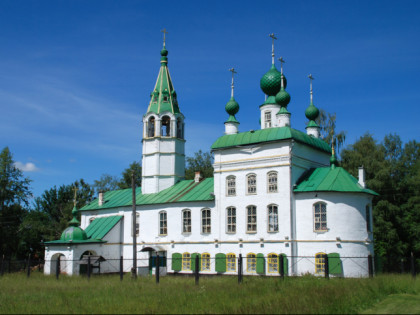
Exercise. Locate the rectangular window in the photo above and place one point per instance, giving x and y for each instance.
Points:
(267, 118)
(368, 225)
(206, 221)
(186, 261)
(251, 263)
(163, 224)
(230, 262)
(231, 186)
(186, 221)
(251, 219)
(231, 219)
(320, 263)
(320, 217)
(273, 218)
(273, 263)
(272, 182)
(252, 184)
(205, 262)
(137, 225)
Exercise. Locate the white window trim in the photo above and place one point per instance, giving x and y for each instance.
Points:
(256, 220)
(268, 122)
(247, 184)
(268, 182)
(268, 218)
(166, 219)
(209, 225)
(314, 219)
(182, 221)
(227, 221)
(227, 185)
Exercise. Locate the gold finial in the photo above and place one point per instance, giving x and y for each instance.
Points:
(75, 195)
(233, 73)
(273, 37)
(311, 78)
(164, 36)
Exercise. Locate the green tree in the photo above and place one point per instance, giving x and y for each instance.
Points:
(106, 183)
(14, 195)
(327, 124)
(125, 181)
(202, 162)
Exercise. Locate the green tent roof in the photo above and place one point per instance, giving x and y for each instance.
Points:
(184, 191)
(330, 179)
(267, 135)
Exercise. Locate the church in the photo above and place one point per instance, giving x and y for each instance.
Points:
(276, 193)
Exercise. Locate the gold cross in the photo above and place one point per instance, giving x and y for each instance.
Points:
(164, 36)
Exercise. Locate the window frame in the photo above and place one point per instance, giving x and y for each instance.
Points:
(250, 223)
(233, 218)
(269, 184)
(205, 262)
(252, 186)
(137, 225)
(228, 187)
(318, 217)
(186, 262)
(206, 221)
(230, 262)
(273, 263)
(251, 263)
(163, 227)
(184, 212)
(320, 263)
(275, 218)
(268, 119)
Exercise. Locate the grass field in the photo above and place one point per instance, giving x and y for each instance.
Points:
(106, 294)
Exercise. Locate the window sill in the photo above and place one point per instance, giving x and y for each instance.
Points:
(272, 232)
(321, 231)
(251, 232)
(231, 233)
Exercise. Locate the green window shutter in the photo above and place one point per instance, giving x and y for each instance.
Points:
(220, 262)
(334, 264)
(260, 264)
(176, 262)
(285, 264)
(193, 261)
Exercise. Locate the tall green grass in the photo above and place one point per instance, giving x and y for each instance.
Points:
(106, 294)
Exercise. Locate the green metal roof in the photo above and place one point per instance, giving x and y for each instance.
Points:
(330, 179)
(100, 227)
(267, 135)
(184, 191)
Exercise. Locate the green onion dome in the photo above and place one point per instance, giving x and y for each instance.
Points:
(270, 83)
(73, 233)
(164, 52)
(232, 107)
(312, 112)
(283, 98)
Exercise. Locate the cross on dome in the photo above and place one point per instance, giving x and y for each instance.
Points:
(273, 37)
(311, 78)
(233, 73)
(164, 36)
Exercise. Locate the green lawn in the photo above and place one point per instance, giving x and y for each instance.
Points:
(397, 304)
(106, 294)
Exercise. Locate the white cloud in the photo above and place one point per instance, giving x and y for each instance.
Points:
(28, 167)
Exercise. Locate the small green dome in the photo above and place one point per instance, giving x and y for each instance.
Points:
(312, 112)
(270, 83)
(164, 52)
(73, 233)
(232, 107)
(283, 98)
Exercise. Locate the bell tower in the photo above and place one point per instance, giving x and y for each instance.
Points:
(163, 160)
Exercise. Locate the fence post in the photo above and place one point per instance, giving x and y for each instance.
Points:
(240, 268)
(370, 266)
(281, 266)
(121, 268)
(413, 267)
(197, 272)
(29, 265)
(157, 270)
(88, 268)
(57, 267)
(2, 265)
(327, 267)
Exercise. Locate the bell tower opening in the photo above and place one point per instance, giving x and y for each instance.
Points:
(166, 126)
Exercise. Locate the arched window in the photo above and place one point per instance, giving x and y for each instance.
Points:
(137, 225)
(273, 218)
(179, 133)
(320, 263)
(186, 261)
(272, 182)
(186, 221)
(320, 217)
(163, 223)
(231, 219)
(251, 184)
(273, 263)
(251, 219)
(368, 224)
(205, 262)
(151, 127)
(166, 126)
(231, 185)
(267, 119)
(205, 221)
(251, 262)
(230, 262)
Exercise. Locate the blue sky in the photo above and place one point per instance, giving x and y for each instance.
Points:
(75, 76)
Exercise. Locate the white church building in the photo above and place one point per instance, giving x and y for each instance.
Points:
(276, 191)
